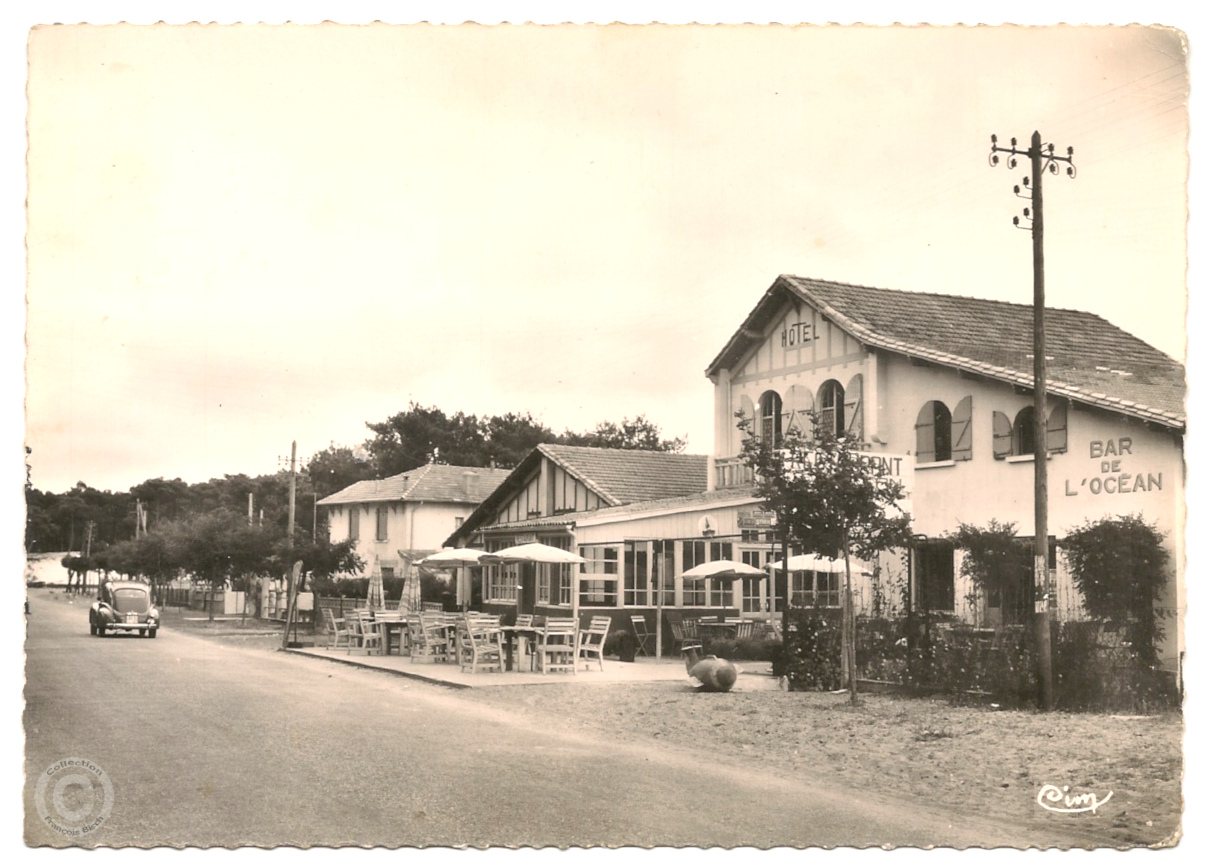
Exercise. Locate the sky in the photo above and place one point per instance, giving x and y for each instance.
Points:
(240, 237)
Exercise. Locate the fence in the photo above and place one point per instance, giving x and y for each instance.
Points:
(1094, 668)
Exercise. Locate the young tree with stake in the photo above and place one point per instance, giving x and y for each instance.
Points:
(833, 500)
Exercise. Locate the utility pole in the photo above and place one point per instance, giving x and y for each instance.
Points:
(1038, 155)
(291, 499)
(293, 581)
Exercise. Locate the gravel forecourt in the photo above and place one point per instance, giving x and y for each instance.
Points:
(983, 761)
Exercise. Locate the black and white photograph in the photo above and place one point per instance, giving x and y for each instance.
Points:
(599, 433)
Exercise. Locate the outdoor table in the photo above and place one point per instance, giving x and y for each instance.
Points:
(517, 634)
(389, 623)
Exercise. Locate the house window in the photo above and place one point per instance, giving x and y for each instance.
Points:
(543, 584)
(693, 553)
(771, 419)
(501, 582)
(634, 575)
(720, 592)
(815, 588)
(459, 520)
(1057, 435)
(382, 523)
(564, 583)
(663, 565)
(386, 573)
(755, 590)
(1024, 431)
(353, 524)
(831, 400)
(934, 576)
(933, 433)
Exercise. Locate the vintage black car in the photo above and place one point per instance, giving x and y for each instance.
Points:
(124, 606)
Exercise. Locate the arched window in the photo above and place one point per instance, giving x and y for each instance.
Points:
(1024, 431)
(831, 400)
(933, 433)
(771, 419)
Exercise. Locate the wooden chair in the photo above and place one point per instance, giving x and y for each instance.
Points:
(369, 633)
(481, 644)
(556, 645)
(684, 637)
(428, 639)
(642, 633)
(591, 641)
(339, 631)
(745, 629)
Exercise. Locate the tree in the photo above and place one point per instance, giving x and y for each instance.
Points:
(993, 557)
(637, 433)
(337, 467)
(422, 435)
(1119, 566)
(509, 438)
(833, 501)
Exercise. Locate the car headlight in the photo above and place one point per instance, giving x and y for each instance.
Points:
(153, 614)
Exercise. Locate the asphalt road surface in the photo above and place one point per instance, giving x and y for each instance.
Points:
(206, 744)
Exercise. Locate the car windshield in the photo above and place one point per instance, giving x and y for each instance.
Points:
(131, 599)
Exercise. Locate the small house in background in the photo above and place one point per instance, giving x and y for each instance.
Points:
(400, 519)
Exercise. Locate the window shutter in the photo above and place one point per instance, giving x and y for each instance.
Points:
(925, 433)
(961, 430)
(1003, 439)
(853, 406)
(1058, 431)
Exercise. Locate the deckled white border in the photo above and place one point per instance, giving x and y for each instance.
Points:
(1190, 17)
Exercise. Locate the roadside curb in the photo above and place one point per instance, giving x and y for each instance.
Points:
(366, 666)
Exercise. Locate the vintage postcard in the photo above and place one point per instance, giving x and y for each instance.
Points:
(606, 435)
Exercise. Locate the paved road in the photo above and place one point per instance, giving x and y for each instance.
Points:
(211, 745)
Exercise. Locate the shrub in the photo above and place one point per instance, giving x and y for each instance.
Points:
(812, 648)
(1119, 566)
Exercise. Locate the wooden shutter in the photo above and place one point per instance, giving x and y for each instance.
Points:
(925, 433)
(1058, 431)
(853, 406)
(1003, 437)
(961, 431)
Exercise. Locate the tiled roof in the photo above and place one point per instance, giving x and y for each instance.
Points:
(702, 499)
(617, 476)
(429, 483)
(622, 476)
(1089, 359)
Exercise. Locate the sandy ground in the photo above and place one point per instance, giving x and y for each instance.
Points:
(979, 761)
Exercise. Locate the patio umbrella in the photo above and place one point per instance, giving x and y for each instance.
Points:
(812, 563)
(731, 569)
(535, 552)
(376, 591)
(456, 559)
(453, 558)
(723, 569)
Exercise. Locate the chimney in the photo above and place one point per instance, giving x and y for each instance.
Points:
(469, 482)
(711, 475)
